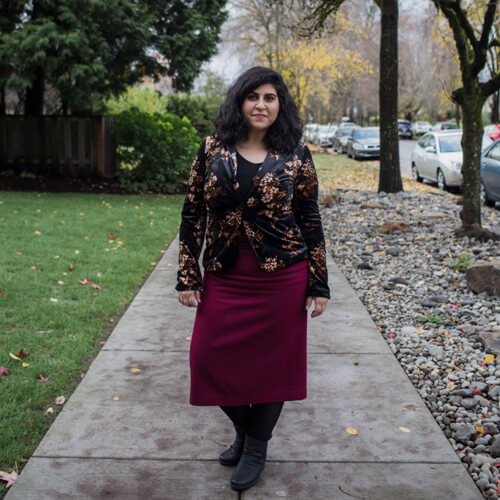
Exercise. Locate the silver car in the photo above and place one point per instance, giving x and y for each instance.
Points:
(364, 143)
(438, 157)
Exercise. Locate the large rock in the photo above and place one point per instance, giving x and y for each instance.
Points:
(484, 277)
(491, 341)
(330, 200)
(390, 227)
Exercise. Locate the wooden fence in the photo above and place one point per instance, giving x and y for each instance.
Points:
(72, 146)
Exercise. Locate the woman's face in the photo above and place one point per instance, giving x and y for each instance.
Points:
(261, 107)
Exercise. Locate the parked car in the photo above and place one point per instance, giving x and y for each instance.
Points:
(492, 131)
(490, 174)
(404, 129)
(439, 127)
(364, 143)
(420, 128)
(325, 134)
(310, 131)
(438, 158)
(341, 136)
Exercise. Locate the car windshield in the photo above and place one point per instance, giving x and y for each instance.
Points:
(450, 143)
(346, 131)
(367, 134)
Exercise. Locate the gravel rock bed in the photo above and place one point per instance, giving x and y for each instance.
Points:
(414, 288)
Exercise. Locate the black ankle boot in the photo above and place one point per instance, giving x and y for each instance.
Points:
(251, 464)
(232, 455)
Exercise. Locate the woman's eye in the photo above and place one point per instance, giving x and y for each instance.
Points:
(252, 97)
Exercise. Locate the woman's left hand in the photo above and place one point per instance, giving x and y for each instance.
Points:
(320, 304)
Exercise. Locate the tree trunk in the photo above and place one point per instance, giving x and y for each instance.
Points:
(457, 117)
(494, 107)
(34, 94)
(472, 105)
(2, 100)
(390, 173)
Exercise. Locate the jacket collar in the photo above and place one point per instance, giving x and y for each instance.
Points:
(267, 166)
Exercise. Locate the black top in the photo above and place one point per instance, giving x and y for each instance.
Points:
(245, 173)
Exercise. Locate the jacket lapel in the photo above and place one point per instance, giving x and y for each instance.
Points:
(268, 165)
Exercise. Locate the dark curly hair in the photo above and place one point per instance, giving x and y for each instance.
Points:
(230, 126)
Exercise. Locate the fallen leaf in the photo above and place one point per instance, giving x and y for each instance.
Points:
(19, 253)
(60, 400)
(86, 281)
(3, 370)
(37, 232)
(391, 335)
(116, 398)
(43, 379)
(490, 358)
(13, 356)
(479, 429)
(475, 392)
(71, 267)
(97, 287)
(351, 431)
(404, 429)
(49, 410)
(25, 365)
(8, 477)
(44, 331)
(53, 300)
(60, 282)
(33, 268)
(2, 294)
(21, 354)
(111, 236)
(135, 370)
(356, 363)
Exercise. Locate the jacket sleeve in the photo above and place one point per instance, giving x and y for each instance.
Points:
(307, 215)
(193, 222)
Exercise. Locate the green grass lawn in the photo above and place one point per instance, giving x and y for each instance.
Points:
(48, 244)
(337, 171)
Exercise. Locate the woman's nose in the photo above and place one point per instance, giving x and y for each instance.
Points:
(260, 103)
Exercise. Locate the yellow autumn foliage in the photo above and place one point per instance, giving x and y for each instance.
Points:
(318, 68)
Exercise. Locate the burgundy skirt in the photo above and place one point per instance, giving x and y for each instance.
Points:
(249, 338)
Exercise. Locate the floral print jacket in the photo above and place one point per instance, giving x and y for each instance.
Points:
(280, 216)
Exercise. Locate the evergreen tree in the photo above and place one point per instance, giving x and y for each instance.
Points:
(90, 49)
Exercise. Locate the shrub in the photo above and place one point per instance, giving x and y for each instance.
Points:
(463, 262)
(154, 150)
(201, 110)
(143, 99)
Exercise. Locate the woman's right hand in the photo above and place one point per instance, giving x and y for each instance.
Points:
(189, 298)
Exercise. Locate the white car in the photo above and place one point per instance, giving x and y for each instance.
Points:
(438, 157)
(421, 127)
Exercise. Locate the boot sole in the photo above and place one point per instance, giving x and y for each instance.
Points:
(229, 463)
(244, 487)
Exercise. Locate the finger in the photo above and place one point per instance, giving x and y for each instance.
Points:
(319, 308)
(308, 303)
(197, 295)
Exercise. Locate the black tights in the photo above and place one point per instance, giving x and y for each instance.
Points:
(258, 419)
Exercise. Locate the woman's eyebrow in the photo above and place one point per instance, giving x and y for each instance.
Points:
(266, 94)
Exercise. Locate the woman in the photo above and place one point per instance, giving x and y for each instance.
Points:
(253, 190)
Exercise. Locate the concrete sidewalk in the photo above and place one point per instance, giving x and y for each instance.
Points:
(151, 444)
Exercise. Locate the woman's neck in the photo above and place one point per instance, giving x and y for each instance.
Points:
(253, 148)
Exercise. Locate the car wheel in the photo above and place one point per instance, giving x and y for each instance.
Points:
(414, 173)
(484, 197)
(440, 180)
